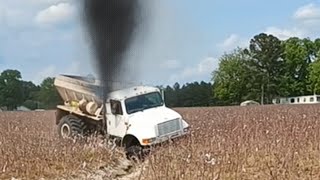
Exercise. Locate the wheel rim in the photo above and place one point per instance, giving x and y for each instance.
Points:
(65, 131)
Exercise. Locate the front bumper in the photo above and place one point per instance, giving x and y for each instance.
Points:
(168, 137)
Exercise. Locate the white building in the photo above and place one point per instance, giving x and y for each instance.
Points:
(311, 99)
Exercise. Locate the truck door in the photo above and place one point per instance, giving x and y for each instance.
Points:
(115, 119)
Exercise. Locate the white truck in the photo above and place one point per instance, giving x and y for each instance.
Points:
(136, 116)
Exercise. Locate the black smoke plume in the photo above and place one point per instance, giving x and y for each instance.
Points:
(110, 25)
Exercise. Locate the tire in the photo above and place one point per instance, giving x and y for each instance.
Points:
(135, 153)
(71, 126)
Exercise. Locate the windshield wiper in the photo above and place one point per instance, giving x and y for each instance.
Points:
(137, 110)
(146, 107)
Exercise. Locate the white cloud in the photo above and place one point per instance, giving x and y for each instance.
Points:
(232, 42)
(55, 14)
(17, 13)
(207, 65)
(308, 18)
(285, 33)
(308, 12)
(306, 24)
(201, 71)
(36, 52)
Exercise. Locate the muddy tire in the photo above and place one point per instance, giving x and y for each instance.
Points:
(71, 126)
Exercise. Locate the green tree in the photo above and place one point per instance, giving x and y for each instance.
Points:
(298, 55)
(48, 95)
(266, 63)
(317, 47)
(231, 79)
(169, 96)
(197, 94)
(207, 94)
(189, 95)
(30, 91)
(11, 90)
(177, 91)
(314, 77)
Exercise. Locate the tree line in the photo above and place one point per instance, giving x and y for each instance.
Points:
(15, 92)
(267, 69)
(193, 94)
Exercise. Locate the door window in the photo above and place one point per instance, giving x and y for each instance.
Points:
(116, 107)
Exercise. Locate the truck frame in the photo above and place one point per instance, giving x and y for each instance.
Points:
(134, 115)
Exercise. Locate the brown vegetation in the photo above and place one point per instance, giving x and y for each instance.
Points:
(263, 142)
(30, 149)
(266, 142)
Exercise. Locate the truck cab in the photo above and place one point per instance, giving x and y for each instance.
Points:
(140, 113)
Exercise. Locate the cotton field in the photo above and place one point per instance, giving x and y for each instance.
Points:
(258, 142)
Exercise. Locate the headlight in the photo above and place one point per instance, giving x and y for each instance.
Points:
(186, 129)
(148, 141)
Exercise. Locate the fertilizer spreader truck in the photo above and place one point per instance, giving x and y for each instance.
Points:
(136, 115)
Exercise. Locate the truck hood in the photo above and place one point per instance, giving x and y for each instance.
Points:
(143, 123)
(153, 116)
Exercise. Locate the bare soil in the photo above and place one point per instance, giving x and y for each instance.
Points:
(262, 142)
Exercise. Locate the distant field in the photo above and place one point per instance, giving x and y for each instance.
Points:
(263, 142)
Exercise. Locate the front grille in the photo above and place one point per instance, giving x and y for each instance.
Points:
(169, 127)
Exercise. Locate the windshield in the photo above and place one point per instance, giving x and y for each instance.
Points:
(142, 102)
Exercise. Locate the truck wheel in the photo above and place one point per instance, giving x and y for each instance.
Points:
(135, 153)
(71, 126)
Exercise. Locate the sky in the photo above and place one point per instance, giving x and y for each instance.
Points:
(180, 40)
